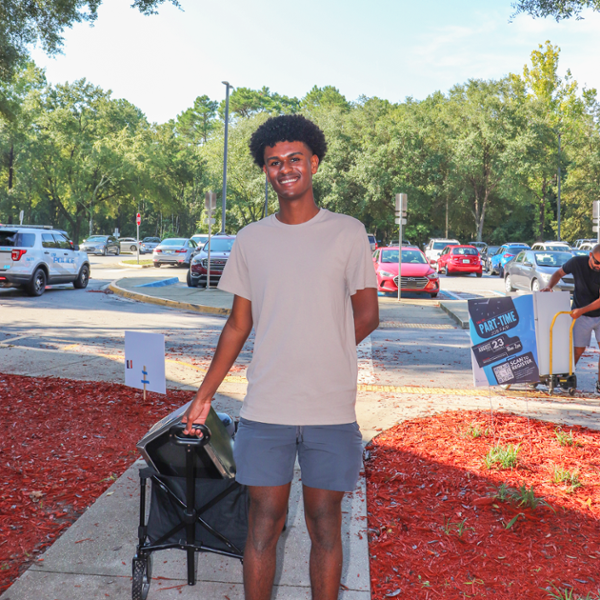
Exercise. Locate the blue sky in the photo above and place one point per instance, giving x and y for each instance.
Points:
(386, 48)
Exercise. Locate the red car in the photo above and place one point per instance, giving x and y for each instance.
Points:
(417, 275)
(460, 259)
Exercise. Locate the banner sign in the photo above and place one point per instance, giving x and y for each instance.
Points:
(504, 347)
(145, 361)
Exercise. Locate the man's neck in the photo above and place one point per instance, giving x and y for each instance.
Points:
(296, 212)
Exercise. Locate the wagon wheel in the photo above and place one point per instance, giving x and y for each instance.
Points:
(142, 576)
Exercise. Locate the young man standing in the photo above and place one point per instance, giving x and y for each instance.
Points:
(304, 279)
(586, 300)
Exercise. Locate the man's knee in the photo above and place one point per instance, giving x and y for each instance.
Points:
(323, 511)
(266, 514)
(578, 351)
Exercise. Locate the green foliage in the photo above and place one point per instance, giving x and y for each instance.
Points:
(505, 456)
(525, 497)
(571, 480)
(23, 24)
(569, 594)
(559, 9)
(458, 528)
(564, 439)
(478, 162)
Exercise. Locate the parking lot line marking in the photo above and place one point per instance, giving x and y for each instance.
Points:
(453, 296)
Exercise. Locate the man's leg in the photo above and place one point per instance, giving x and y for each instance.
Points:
(323, 510)
(579, 352)
(266, 518)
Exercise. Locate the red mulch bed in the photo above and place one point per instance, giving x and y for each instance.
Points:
(426, 477)
(62, 443)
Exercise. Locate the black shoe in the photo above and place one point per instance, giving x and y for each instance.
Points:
(597, 387)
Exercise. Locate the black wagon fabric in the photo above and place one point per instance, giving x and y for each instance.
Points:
(228, 516)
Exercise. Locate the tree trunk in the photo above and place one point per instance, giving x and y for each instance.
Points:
(11, 168)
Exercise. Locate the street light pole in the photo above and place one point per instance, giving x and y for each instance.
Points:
(224, 197)
(558, 199)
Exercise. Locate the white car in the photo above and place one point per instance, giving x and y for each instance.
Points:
(552, 246)
(435, 246)
(32, 257)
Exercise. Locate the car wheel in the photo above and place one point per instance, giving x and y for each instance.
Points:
(190, 280)
(157, 265)
(118, 251)
(83, 278)
(508, 286)
(104, 251)
(37, 285)
(535, 286)
(480, 274)
(500, 271)
(448, 272)
(132, 248)
(433, 295)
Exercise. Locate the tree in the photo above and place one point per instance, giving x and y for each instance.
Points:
(559, 9)
(23, 23)
(197, 123)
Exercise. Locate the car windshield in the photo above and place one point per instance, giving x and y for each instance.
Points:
(580, 252)
(151, 240)
(552, 259)
(220, 245)
(442, 245)
(174, 242)
(408, 256)
(97, 238)
(468, 251)
(558, 247)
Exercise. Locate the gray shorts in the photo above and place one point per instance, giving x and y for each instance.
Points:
(582, 331)
(330, 456)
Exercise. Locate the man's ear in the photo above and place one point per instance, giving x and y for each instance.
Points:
(266, 172)
(314, 164)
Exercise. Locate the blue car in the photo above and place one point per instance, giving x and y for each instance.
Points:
(503, 255)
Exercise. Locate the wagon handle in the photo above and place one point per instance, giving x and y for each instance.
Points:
(563, 312)
(177, 430)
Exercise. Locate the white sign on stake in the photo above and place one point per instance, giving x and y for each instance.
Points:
(145, 361)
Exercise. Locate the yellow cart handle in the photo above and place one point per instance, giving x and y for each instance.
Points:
(563, 312)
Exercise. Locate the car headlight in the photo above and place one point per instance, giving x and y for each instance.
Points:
(385, 274)
(432, 275)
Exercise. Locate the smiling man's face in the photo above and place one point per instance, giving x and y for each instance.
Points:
(290, 167)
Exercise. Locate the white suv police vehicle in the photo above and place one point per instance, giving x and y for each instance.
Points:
(33, 256)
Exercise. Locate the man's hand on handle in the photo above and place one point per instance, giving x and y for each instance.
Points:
(196, 414)
(577, 312)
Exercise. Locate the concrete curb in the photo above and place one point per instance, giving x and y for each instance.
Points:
(454, 316)
(122, 264)
(113, 287)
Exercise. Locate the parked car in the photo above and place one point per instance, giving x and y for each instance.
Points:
(587, 246)
(481, 247)
(148, 244)
(372, 242)
(580, 252)
(128, 244)
(502, 256)
(552, 246)
(417, 274)
(101, 244)
(174, 251)
(459, 259)
(200, 239)
(577, 243)
(220, 249)
(487, 254)
(531, 270)
(33, 256)
(435, 246)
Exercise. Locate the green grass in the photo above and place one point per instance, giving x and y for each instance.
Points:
(571, 480)
(458, 528)
(504, 456)
(563, 438)
(134, 261)
(526, 498)
(568, 594)
(476, 431)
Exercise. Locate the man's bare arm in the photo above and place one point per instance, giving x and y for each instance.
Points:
(366, 313)
(231, 341)
(556, 277)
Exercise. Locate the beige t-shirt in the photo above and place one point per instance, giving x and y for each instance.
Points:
(299, 279)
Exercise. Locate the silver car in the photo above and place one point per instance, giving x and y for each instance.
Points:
(531, 270)
(174, 251)
(128, 244)
(148, 244)
(101, 244)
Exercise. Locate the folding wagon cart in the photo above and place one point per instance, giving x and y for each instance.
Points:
(195, 503)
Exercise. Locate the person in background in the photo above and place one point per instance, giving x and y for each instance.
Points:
(586, 300)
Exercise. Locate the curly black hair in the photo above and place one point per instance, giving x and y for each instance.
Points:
(287, 128)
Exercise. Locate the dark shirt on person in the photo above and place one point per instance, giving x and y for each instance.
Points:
(587, 283)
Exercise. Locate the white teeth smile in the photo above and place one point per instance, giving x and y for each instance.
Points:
(289, 180)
